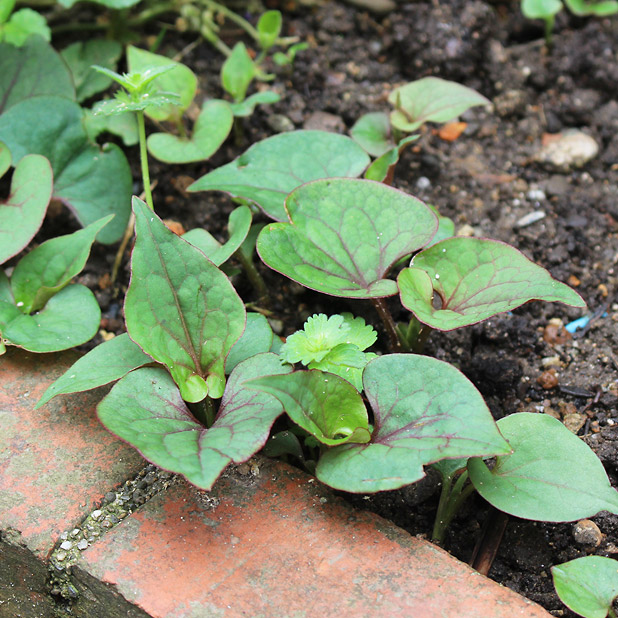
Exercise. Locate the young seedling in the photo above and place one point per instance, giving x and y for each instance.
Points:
(588, 585)
(137, 95)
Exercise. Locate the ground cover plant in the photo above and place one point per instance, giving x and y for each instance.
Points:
(424, 309)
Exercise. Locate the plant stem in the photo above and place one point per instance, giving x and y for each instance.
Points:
(253, 274)
(203, 411)
(237, 19)
(549, 30)
(449, 506)
(143, 154)
(389, 323)
(488, 544)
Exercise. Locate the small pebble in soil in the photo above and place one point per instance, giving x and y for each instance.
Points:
(66, 545)
(423, 183)
(548, 379)
(586, 532)
(574, 422)
(83, 544)
(567, 151)
(530, 218)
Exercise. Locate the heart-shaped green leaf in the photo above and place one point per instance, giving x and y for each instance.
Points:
(146, 410)
(92, 182)
(475, 279)
(108, 362)
(245, 108)
(269, 28)
(22, 25)
(540, 9)
(552, 475)
(47, 269)
(323, 404)
(345, 235)
(32, 70)
(372, 132)
(180, 81)
(22, 213)
(424, 410)
(587, 585)
(257, 338)
(180, 308)
(270, 169)
(210, 131)
(239, 224)
(431, 99)
(69, 318)
(81, 56)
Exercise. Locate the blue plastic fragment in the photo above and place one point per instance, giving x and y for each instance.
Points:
(571, 327)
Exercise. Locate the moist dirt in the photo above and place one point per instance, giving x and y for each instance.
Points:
(493, 182)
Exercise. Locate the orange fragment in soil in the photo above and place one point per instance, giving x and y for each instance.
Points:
(174, 226)
(573, 281)
(556, 335)
(548, 379)
(451, 131)
(548, 138)
(104, 281)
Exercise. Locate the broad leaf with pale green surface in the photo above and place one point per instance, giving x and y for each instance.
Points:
(32, 70)
(345, 235)
(431, 99)
(270, 169)
(22, 213)
(475, 279)
(69, 318)
(587, 585)
(238, 223)
(91, 181)
(47, 269)
(424, 410)
(323, 404)
(146, 409)
(180, 80)
(210, 131)
(109, 361)
(180, 308)
(82, 55)
(552, 475)
(122, 125)
(22, 25)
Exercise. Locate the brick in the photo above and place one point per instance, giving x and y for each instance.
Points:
(57, 462)
(280, 545)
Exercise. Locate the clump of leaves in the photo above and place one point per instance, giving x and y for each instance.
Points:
(16, 27)
(334, 344)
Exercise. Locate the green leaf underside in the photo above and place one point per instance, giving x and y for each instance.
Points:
(239, 225)
(475, 279)
(91, 181)
(47, 269)
(81, 56)
(210, 131)
(22, 214)
(267, 171)
(180, 308)
(180, 81)
(69, 318)
(323, 404)
(431, 99)
(256, 339)
(552, 475)
(424, 410)
(32, 70)
(344, 236)
(587, 585)
(373, 133)
(146, 409)
(109, 361)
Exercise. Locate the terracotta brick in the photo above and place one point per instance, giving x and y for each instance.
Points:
(56, 462)
(279, 545)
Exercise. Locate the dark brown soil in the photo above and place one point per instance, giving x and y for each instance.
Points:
(486, 180)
